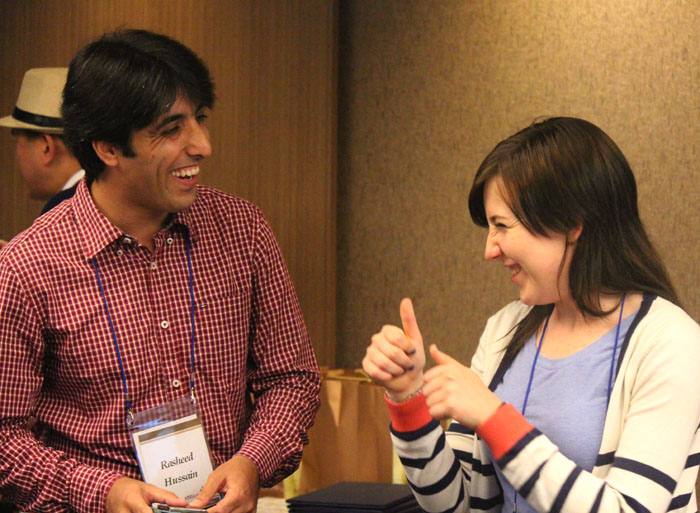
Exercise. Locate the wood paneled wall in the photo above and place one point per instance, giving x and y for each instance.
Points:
(273, 128)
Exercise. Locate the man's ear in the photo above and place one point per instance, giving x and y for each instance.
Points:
(108, 152)
(47, 146)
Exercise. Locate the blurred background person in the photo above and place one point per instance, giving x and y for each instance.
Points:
(49, 170)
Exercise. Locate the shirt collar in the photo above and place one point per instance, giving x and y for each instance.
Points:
(75, 178)
(185, 218)
(98, 232)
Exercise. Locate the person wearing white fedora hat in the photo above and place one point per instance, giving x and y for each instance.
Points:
(47, 166)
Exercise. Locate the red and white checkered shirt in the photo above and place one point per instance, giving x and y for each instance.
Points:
(58, 361)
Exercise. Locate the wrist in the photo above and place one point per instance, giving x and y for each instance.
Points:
(503, 430)
(405, 395)
(489, 409)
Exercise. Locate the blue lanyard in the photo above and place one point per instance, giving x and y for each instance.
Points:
(130, 415)
(534, 363)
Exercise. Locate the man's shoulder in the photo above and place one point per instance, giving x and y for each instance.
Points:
(46, 236)
(222, 205)
(211, 197)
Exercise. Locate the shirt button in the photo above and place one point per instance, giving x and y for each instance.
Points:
(176, 383)
(164, 324)
(153, 266)
(120, 252)
(127, 240)
(169, 240)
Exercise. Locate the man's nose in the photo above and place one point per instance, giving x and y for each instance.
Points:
(199, 145)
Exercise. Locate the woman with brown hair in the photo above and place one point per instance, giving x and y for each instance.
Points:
(583, 395)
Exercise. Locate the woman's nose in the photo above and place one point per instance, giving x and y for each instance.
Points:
(492, 250)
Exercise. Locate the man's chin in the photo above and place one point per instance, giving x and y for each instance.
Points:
(184, 201)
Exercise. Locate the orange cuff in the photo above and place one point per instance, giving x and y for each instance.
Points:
(409, 415)
(502, 430)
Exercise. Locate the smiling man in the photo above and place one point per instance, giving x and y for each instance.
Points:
(147, 297)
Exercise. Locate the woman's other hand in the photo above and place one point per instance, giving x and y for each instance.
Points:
(454, 391)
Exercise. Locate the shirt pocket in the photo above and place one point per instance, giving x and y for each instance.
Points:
(221, 345)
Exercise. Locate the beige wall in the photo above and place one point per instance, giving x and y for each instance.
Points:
(428, 88)
(273, 128)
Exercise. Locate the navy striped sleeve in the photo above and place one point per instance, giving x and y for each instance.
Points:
(565, 489)
(644, 470)
(680, 502)
(440, 485)
(421, 463)
(515, 450)
(410, 436)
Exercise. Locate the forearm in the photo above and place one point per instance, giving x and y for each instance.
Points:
(437, 475)
(39, 478)
(550, 481)
(279, 424)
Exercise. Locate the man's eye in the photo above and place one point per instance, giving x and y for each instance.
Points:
(172, 130)
(201, 118)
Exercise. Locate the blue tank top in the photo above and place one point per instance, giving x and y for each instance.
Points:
(568, 400)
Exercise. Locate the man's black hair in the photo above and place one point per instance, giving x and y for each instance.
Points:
(123, 82)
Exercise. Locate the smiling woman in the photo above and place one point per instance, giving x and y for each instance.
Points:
(565, 176)
(538, 264)
(567, 383)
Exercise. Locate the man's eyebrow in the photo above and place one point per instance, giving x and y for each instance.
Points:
(175, 117)
(167, 120)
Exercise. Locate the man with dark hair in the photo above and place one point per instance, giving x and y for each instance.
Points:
(143, 294)
(48, 168)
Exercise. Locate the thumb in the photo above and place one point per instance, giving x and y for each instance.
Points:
(439, 357)
(205, 495)
(408, 320)
(165, 497)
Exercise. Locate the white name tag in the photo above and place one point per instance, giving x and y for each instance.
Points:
(173, 454)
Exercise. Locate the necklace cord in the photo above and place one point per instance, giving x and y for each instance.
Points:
(534, 363)
(192, 309)
(114, 335)
(93, 260)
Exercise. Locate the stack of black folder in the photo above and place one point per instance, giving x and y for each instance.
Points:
(349, 497)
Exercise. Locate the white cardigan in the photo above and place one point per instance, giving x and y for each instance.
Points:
(650, 450)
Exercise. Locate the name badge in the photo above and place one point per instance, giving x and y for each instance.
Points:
(172, 448)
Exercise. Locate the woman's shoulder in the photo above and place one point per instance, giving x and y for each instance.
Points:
(662, 317)
(664, 332)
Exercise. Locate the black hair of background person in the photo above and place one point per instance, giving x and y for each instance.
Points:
(98, 100)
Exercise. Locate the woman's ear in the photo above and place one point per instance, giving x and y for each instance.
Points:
(108, 152)
(573, 235)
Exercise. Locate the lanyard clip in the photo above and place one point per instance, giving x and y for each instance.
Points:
(129, 418)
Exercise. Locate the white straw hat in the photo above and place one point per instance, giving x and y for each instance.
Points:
(38, 106)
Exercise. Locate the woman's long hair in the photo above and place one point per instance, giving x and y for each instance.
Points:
(562, 173)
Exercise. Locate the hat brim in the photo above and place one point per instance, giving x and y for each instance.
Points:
(10, 122)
